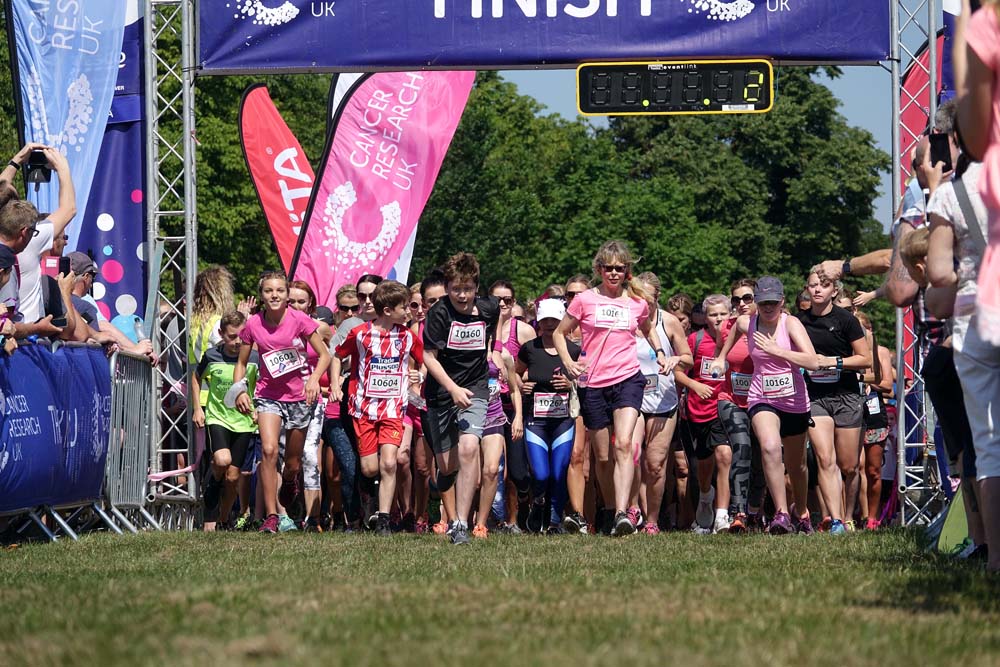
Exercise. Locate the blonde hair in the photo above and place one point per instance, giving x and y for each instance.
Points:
(913, 247)
(716, 300)
(838, 286)
(213, 294)
(617, 250)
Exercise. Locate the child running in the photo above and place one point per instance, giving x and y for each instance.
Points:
(230, 430)
(380, 351)
(457, 334)
(283, 396)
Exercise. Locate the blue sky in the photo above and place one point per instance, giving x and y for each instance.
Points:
(864, 92)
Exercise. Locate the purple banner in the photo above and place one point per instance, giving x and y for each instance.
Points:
(239, 36)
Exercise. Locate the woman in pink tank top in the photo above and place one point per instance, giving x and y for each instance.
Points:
(778, 399)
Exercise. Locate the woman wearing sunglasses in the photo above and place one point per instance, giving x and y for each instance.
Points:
(777, 397)
(512, 333)
(609, 317)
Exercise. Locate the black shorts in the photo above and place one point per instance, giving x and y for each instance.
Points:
(238, 444)
(665, 415)
(792, 423)
(706, 436)
(598, 404)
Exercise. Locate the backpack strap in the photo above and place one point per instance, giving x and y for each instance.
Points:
(972, 221)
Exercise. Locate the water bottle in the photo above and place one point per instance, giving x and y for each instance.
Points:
(140, 332)
(582, 380)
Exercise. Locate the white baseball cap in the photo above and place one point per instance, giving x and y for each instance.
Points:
(550, 308)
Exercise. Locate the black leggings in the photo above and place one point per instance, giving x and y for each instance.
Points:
(238, 444)
(516, 459)
(747, 472)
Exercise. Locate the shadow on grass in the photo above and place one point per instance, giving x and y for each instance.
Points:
(920, 579)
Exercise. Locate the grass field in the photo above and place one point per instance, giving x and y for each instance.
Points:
(220, 599)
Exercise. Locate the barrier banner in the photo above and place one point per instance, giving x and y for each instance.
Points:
(240, 36)
(55, 415)
(381, 162)
(279, 169)
(113, 230)
(65, 60)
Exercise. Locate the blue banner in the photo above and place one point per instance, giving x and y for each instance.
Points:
(113, 230)
(310, 35)
(55, 416)
(68, 54)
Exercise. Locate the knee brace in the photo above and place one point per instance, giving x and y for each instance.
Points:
(445, 482)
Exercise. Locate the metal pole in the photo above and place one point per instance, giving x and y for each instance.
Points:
(190, 219)
(932, 63)
(895, 189)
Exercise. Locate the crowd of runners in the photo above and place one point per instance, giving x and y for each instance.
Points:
(601, 406)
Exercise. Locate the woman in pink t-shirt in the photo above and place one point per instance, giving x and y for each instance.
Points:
(283, 395)
(977, 76)
(611, 382)
(777, 397)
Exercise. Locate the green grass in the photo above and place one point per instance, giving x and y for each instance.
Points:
(196, 599)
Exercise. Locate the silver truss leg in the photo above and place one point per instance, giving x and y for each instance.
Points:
(37, 520)
(123, 519)
(62, 524)
(99, 512)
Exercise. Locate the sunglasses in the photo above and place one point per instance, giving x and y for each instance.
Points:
(364, 296)
(746, 298)
(616, 268)
(506, 300)
(349, 309)
(415, 305)
(571, 295)
(34, 231)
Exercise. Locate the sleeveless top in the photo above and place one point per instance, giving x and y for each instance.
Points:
(513, 346)
(660, 394)
(495, 415)
(776, 381)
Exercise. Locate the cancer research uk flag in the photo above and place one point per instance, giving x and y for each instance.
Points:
(68, 52)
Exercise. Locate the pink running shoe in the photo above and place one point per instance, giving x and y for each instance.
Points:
(651, 528)
(872, 524)
(422, 527)
(635, 516)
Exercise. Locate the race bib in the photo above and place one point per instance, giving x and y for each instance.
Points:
(283, 362)
(778, 385)
(384, 385)
(494, 385)
(551, 405)
(652, 383)
(706, 369)
(825, 376)
(873, 405)
(612, 316)
(741, 384)
(467, 337)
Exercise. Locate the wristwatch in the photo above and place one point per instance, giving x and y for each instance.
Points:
(659, 350)
(846, 268)
(16, 165)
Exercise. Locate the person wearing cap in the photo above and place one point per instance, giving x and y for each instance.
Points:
(835, 397)
(549, 429)
(777, 398)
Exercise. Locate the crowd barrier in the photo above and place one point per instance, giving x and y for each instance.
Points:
(74, 441)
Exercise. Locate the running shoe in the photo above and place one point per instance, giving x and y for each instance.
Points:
(721, 524)
(805, 526)
(312, 525)
(575, 523)
(635, 516)
(739, 524)
(555, 529)
(452, 529)
(536, 518)
(756, 523)
(383, 525)
(698, 530)
(480, 532)
(622, 525)
(460, 534)
(837, 527)
(849, 525)
(510, 529)
(285, 524)
(409, 523)
(271, 524)
(650, 528)
(369, 512)
(422, 527)
(244, 523)
(872, 524)
(440, 528)
(705, 514)
(825, 524)
(781, 524)
(289, 492)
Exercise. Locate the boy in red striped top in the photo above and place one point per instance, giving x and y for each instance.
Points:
(381, 352)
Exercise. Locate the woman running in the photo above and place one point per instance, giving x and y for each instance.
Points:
(777, 397)
(654, 430)
(835, 397)
(283, 397)
(609, 316)
(302, 299)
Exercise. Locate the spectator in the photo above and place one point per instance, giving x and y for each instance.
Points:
(7, 260)
(89, 325)
(18, 226)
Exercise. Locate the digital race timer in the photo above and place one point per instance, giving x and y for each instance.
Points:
(678, 87)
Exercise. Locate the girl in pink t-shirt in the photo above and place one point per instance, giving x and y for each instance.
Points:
(609, 316)
(283, 395)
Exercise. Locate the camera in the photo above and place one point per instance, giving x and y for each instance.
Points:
(37, 170)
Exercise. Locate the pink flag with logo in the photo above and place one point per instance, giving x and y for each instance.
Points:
(384, 156)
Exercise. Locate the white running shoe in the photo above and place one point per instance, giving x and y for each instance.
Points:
(721, 524)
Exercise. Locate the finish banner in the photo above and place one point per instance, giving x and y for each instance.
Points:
(381, 162)
(240, 36)
(55, 418)
(66, 57)
(280, 170)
